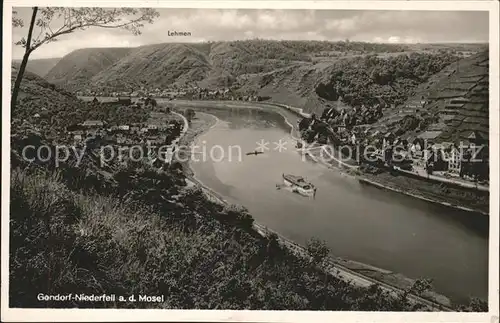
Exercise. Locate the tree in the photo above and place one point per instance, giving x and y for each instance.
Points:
(238, 214)
(53, 22)
(475, 305)
(318, 250)
(189, 114)
(420, 286)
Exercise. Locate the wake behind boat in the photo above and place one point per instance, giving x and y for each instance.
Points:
(298, 184)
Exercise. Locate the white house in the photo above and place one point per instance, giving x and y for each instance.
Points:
(353, 139)
(454, 160)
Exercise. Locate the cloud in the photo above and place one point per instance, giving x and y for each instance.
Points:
(232, 24)
(394, 40)
(343, 25)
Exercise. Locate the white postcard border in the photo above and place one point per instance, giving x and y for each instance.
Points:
(65, 315)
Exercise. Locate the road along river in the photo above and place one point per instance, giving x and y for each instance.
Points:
(385, 229)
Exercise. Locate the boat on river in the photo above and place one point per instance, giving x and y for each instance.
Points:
(298, 184)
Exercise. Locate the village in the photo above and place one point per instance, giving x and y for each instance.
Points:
(192, 92)
(464, 162)
(154, 136)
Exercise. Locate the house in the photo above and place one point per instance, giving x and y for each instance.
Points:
(126, 101)
(435, 160)
(388, 139)
(475, 138)
(124, 127)
(454, 160)
(93, 124)
(121, 140)
(152, 129)
(429, 135)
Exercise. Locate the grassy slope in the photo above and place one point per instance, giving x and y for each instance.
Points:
(157, 65)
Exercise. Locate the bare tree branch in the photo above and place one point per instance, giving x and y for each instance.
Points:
(75, 19)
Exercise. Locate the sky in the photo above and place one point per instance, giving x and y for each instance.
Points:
(232, 24)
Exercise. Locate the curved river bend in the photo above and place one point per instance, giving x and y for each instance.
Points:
(361, 223)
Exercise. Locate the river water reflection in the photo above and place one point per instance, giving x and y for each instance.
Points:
(362, 223)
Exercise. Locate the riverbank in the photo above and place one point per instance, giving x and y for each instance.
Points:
(360, 274)
(200, 124)
(475, 202)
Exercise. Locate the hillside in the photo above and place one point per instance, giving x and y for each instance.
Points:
(212, 64)
(83, 64)
(40, 66)
(48, 107)
(154, 65)
(457, 103)
(37, 97)
(307, 74)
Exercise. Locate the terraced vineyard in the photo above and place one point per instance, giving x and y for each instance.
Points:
(453, 104)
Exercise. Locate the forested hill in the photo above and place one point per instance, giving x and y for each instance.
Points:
(306, 74)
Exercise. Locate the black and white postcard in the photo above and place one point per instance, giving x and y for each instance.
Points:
(258, 161)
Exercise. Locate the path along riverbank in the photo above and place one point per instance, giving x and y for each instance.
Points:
(360, 274)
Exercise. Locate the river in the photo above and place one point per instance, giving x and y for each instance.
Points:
(362, 223)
